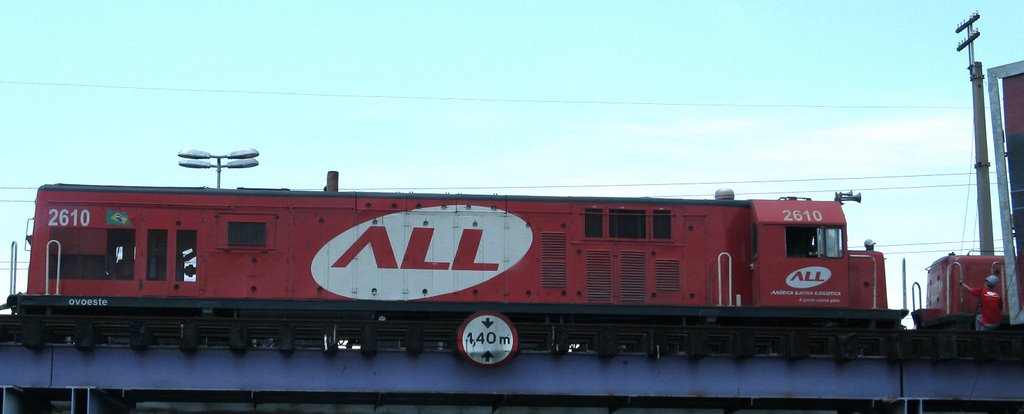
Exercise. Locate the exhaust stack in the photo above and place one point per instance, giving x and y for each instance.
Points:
(332, 182)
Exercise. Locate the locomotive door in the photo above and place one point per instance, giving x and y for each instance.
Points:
(170, 257)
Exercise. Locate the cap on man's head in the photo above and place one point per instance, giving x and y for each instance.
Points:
(992, 281)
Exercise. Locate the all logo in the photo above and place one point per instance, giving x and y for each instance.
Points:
(808, 277)
(421, 253)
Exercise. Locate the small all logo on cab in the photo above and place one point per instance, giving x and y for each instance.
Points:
(808, 277)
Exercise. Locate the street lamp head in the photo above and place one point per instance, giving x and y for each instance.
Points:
(194, 163)
(243, 154)
(244, 158)
(246, 163)
(194, 154)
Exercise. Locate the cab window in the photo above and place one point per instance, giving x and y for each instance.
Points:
(814, 242)
(101, 254)
(186, 263)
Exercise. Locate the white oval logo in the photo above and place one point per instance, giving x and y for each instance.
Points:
(808, 277)
(421, 253)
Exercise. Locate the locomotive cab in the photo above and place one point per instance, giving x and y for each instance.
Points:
(801, 258)
(120, 252)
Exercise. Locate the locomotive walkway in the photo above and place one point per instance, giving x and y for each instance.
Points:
(719, 369)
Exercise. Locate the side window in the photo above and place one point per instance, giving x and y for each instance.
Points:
(662, 224)
(753, 236)
(831, 241)
(627, 224)
(186, 253)
(593, 222)
(120, 258)
(156, 255)
(814, 242)
(98, 254)
(800, 242)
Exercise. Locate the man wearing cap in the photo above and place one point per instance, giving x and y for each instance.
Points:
(990, 302)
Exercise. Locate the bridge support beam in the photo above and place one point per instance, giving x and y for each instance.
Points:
(635, 380)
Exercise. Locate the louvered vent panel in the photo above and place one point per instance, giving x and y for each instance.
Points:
(666, 275)
(632, 272)
(552, 258)
(552, 246)
(243, 232)
(599, 276)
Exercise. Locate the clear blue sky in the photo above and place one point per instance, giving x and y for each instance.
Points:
(441, 96)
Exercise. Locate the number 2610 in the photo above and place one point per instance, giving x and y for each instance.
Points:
(802, 215)
(65, 217)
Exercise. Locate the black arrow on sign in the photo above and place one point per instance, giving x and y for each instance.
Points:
(488, 356)
(487, 322)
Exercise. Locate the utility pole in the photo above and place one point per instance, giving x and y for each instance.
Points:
(981, 164)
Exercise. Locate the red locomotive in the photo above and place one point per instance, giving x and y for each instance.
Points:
(106, 250)
(947, 305)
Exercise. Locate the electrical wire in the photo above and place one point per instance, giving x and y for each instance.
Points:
(928, 243)
(788, 180)
(967, 201)
(894, 253)
(472, 99)
(790, 192)
(762, 193)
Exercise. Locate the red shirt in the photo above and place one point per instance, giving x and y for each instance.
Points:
(991, 305)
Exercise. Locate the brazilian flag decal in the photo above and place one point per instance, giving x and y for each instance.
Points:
(118, 218)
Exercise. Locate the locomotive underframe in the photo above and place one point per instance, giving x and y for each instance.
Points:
(595, 314)
(603, 339)
(193, 324)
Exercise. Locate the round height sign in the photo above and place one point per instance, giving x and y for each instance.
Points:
(488, 339)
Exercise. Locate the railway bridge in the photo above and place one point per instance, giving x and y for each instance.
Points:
(121, 365)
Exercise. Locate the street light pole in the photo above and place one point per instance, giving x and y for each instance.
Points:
(245, 158)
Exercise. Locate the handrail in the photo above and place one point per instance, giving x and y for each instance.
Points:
(999, 264)
(874, 282)
(904, 284)
(949, 288)
(28, 225)
(727, 256)
(916, 304)
(14, 267)
(48, 267)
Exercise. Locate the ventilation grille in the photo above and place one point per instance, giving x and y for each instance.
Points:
(666, 275)
(599, 276)
(247, 233)
(632, 272)
(552, 257)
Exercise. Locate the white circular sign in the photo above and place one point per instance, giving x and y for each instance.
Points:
(488, 339)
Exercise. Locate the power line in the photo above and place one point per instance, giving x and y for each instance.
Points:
(542, 186)
(683, 183)
(890, 254)
(929, 243)
(833, 190)
(471, 99)
(793, 180)
(762, 193)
